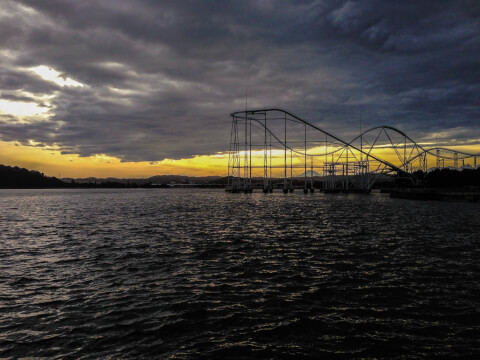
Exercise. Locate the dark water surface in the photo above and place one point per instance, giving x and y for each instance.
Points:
(204, 274)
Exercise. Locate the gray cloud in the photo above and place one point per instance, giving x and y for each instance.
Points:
(162, 77)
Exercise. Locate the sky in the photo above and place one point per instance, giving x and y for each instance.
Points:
(139, 88)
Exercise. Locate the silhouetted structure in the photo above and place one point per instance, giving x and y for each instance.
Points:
(271, 143)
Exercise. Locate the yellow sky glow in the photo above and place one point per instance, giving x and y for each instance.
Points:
(53, 163)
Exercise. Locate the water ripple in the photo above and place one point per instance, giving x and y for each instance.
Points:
(204, 274)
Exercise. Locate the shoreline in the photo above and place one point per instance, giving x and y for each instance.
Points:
(425, 195)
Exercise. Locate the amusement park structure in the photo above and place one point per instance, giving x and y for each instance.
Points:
(282, 149)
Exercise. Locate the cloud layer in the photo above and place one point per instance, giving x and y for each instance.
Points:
(158, 79)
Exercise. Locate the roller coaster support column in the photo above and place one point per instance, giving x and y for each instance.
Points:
(230, 153)
(250, 188)
(234, 169)
(311, 177)
(245, 160)
(291, 171)
(423, 162)
(346, 187)
(368, 175)
(265, 160)
(285, 188)
(305, 190)
(270, 187)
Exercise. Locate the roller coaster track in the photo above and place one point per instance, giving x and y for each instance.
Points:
(404, 151)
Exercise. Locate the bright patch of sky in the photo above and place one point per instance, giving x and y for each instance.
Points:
(50, 74)
(21, 108)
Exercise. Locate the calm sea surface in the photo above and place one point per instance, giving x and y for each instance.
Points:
(191, 273)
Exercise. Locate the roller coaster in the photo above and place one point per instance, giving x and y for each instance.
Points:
(283, 150)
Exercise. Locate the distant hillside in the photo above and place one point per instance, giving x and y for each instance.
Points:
(20, 178)
(309, 173)
(157, 179)
(15, 177)
(166, 179)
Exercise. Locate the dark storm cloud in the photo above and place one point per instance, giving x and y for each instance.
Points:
(161, 77)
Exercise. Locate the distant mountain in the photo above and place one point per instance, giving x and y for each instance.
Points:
(15, 177)
(157, 179)
(309, 173)
(20, 178)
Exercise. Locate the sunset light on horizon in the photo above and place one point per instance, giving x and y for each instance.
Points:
(239, 179)
(147, 88)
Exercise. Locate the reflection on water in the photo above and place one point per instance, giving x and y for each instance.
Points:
(201, 273)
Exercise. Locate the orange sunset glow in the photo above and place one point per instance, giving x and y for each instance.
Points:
(239, 179)
(54, 163)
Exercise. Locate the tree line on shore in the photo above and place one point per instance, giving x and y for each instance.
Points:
(13, 177)
(16, 177)
(449, 178)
